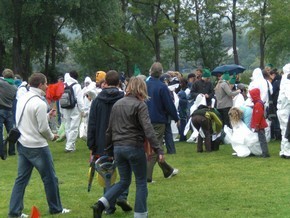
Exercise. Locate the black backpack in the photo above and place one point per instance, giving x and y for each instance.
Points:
(68, 99)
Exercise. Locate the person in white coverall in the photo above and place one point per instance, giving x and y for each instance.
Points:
(283, 110)
(259, 82)
(72, 117)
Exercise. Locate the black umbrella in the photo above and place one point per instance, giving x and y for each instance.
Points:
(231, 68)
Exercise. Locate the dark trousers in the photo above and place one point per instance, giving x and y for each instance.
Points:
(224, 112)
(152, 159)
(200, 121)
(168, 137)
(263, 141)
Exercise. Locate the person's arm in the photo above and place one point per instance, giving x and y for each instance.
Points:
(42, 121)
(228, 90)
(92, 126)
(169, 104)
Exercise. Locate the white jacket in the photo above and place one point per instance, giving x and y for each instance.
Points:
(33, 126)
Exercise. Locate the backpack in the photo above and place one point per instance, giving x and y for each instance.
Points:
(265, 109)
(68, 99)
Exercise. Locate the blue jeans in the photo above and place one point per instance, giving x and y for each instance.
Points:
(130, 159)
(41, 159)
(6, 118)
(168, 137)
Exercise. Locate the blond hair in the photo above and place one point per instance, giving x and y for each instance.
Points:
(235, 115)
(137, 87)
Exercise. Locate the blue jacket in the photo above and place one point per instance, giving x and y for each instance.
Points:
(160, 104)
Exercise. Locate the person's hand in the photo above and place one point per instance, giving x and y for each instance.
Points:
(82, 114)
(55, 137)
(206, 95)
(178, 123)
(161, 158)
(52, 113)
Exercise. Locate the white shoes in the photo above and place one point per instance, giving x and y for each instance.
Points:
(23, 215)
(174, 173)
(64, 210)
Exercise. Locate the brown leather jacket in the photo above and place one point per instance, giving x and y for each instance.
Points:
(130, 124)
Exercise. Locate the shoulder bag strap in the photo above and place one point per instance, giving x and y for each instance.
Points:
(24, 108)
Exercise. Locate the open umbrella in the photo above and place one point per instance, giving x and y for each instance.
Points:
(231, 68)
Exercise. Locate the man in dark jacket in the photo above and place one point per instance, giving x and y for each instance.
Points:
(7, 95)
(203, 86)
(160, 107)
(98, 123)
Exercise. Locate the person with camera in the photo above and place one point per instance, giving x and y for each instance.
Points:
(33, 150)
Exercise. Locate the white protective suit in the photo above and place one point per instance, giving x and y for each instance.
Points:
(243, 146)
(283, 106)
(72, 117)
(259, 82)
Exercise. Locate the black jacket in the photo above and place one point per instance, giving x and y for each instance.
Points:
(99, 118)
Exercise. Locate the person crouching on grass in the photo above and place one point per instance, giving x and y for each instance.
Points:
(129, 125)
(258, 121)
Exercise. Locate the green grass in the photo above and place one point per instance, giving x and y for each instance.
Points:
(209, 185)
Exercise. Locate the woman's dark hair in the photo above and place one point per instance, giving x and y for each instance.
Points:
(74, 74)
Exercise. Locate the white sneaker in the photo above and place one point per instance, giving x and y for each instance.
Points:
(23, 215)
(234, 154)
(64, 210)
(175, 172)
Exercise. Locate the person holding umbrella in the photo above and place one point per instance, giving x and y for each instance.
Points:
(224, 97)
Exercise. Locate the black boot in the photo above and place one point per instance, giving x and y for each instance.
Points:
(4, 154)
(98, 209)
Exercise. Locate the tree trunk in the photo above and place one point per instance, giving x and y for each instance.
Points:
(26, 64)
(2, 54)
(16, 52)
(200, 41)
(234, 32)
(263, 35)
(176, 36)
(157, 46)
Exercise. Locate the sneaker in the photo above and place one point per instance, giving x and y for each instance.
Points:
(175, 172)
(98, 209)
(124, 204)
(23, 215)
(65, 210)
(234, 154)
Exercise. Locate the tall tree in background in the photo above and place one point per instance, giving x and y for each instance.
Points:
(202, 39)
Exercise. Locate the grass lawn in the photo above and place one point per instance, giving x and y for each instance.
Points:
(209, 185)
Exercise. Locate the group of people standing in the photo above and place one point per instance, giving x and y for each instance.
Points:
(123, 119)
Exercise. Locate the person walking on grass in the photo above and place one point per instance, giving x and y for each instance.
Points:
(129, 125)
(33, 150)
(160, 107)
(258, 121)
(7, 96)
(72, 116)
(97, 125)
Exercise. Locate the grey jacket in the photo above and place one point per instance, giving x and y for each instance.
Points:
(224, 95)
(130, 124)
(7, 94)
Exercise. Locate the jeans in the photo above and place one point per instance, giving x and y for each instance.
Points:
(129, 159)
(6, 118)
(181, 128)
(168, 137)
(41, 159)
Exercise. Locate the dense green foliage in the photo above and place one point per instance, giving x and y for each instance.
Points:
(209, 185)
(37, 35)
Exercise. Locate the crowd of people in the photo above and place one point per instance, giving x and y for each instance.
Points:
(132, 119)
